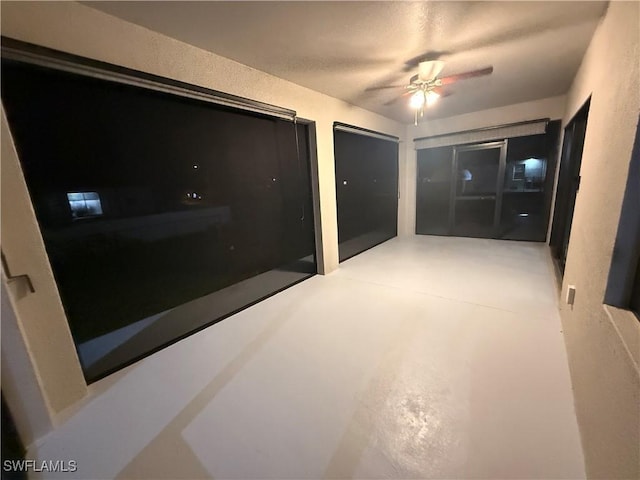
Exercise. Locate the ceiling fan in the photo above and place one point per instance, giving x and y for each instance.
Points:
(425, 87)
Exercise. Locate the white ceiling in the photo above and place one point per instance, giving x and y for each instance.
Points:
(342, 48)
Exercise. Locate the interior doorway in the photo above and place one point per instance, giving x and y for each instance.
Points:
(568, 185)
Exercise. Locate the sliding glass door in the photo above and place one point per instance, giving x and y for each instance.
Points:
(366, 166)
(568, 184)
(477, 191)
(433, 194)
(495, 189)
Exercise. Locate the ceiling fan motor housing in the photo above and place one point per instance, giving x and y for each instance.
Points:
(428, 71)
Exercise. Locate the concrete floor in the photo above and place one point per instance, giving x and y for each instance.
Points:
(425, 357)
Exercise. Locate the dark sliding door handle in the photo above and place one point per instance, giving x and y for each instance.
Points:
(13, 278)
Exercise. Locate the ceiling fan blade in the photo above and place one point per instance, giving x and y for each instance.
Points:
(394, 100)
(384, 87)
(463, 76)
(425, 57)
(412, 64)
(442, 92)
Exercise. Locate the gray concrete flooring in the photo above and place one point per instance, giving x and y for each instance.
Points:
(424, 357)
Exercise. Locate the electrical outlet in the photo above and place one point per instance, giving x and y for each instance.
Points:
(571, 294)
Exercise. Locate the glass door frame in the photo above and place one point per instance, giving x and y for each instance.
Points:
(568, 185)
(500, 144)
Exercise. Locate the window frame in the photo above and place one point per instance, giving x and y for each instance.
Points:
(624, 272)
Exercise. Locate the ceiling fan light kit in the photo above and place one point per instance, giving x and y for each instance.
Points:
(418, 99)
(424, 97)
(423, 85)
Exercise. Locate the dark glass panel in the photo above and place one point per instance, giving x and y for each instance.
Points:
(568, 184)
(474, 218)
(433, 190)
(12, 447)
(475, 195)
(524, 212)
(160, 214)
(477, 172)
(635, 293)
(367, 191)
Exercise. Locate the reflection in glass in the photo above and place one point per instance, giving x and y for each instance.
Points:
(477, 172)
(84, 204)
(526, 175)
(524, 207)
(160, 214)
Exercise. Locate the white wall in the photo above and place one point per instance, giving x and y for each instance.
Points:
(552, 108)
(602, 341)
(20, 385)
(78, 29)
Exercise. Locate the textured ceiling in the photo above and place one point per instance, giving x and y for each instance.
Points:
(343, 48)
